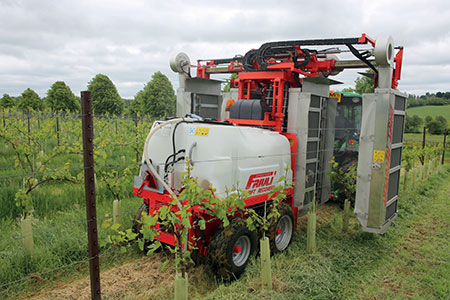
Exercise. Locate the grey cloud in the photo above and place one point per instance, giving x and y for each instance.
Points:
(44, 41)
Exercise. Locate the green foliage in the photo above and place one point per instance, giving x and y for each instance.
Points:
(414, 153)
(29, 100)
(34, 162)
(262, 221)
(157, 99)
(409, 157)
(227, 86)
(105, 98)
(7, 101)
(435, 127)
(193, 202)
(60, 98)
(412, 123)
(442, 120)
(364, 84)
(344, 179)
(112, 177)
(57, 203)
(435, 101)
(134, 107)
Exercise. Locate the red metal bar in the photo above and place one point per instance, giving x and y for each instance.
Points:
(398, 68)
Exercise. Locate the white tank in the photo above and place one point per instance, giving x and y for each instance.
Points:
(253, 159)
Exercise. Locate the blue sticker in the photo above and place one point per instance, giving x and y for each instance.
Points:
(192, 130)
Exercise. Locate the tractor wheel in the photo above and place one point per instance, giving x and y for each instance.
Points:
(230, 249)
(281, 231)
(136, 225)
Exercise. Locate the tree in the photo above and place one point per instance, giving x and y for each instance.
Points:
(417, 121)
(348, 89)
(442, 120)
(435, 127)
(364, 84)
(227, 86)
(60, 98)
(105, 98)
(37, 165)
(428, 119)
(412, 123)
(157, 99)
(134, 106)
(30, 100)
(7, 101)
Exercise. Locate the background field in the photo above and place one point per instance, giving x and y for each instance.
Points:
(432, 111)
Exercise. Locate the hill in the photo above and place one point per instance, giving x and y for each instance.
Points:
(430, 110)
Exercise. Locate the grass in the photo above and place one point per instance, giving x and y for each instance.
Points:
(59, 215)
(343, 262)
(430, 110)
(59, 241)
(410, 261)
(429, 138)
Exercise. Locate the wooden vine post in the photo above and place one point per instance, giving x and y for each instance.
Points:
(89, 180)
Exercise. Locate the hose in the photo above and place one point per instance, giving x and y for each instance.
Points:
(147, 160)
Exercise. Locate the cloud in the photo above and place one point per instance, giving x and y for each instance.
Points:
(45, 41)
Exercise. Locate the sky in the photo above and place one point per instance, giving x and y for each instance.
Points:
(46, 41)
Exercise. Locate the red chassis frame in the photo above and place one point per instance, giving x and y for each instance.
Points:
(155, 200)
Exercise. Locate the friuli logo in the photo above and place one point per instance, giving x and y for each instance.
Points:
(260, 180)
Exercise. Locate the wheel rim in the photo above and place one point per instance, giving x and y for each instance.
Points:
(283, 232)
(241, 250)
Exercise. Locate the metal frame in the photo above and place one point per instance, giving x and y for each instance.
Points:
(380, 152)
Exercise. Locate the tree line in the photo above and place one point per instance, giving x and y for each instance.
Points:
(414, 123)
(365, 84)
(157, 99)
(439, 125)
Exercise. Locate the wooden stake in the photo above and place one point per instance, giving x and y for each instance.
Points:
(89, 184)
(443, 149)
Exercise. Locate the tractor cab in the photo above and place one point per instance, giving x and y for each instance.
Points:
(347, 127)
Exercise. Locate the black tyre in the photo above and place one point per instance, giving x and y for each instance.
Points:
(230, 249)
(137, 226)
(281, 231)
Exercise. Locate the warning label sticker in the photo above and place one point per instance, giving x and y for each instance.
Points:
(202, 131)
(378, 156)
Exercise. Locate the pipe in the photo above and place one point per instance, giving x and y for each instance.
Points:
(147, 160)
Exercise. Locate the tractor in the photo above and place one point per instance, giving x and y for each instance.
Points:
(277, 114)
